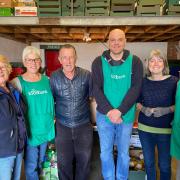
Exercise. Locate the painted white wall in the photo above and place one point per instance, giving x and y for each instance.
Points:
(87, 52)
(11, 49)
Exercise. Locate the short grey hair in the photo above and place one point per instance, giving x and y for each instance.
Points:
(30, 49)
(157, 53)
(68, 46)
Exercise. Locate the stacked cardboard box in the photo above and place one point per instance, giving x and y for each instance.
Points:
(25, 8)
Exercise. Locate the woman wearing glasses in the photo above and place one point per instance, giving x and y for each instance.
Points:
(40, 115)
(12, 125)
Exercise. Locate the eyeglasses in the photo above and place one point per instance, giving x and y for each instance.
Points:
(36, 60)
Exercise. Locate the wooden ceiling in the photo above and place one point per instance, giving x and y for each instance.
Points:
(54, 32)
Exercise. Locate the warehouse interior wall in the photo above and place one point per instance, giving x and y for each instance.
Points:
(11, 49)
(86, 51)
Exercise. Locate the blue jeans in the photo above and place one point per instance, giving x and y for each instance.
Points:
(10, 167)
(34, 157)
(109, 134)
(149, 141)
(74, 143)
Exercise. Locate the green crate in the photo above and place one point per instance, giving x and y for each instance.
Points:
(97, 3)
(75, 13)
(129, 13)
(123, 1)
(151, 2)
(174, 8)
(49, 8)
(97, 12)
(173, 2)
(172, 13)
(49, 12)
(6, 11)
(122, 7)
(48, 3)
(98, 0)
(78, 8)
(153, 10)
(76, 3)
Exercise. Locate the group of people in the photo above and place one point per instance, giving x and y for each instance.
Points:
(35, 109)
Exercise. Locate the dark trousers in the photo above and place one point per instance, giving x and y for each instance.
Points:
(74, 143)
(162, 141)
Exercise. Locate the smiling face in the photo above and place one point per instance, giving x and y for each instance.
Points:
(4, 74)
(67, 57)
(117, 41)
(32, 62)
(156, 65)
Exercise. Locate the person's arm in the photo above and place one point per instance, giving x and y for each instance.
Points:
(136, 83)
(90, 86)
(52, 85)
(98, 93)
(16, 83)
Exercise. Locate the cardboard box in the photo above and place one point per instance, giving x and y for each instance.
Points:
(5, 3)
(25, 11)
(23, 4)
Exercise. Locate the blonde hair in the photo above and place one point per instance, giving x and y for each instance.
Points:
(30, 49)
(5, 61)
(157, 53)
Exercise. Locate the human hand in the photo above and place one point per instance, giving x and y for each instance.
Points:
(147, 111)
(115, 116)
(139, 106)
(161, 111)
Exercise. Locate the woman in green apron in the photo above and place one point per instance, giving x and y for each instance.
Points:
(36, 90)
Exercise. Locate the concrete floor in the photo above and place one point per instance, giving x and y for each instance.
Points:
(96, 165)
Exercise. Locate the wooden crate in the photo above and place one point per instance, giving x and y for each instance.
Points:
(149, 10)
(49, 8)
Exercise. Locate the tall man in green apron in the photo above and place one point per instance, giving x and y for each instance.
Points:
(117, 78)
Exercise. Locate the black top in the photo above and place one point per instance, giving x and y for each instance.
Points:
(158, 94)
(103, 105)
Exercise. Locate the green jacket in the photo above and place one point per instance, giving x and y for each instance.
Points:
(175, 137)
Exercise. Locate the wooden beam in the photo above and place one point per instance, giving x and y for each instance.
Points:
(147, 29)
(6, 29)
(159, 34)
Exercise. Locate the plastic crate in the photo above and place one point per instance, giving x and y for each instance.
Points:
(6, 12)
